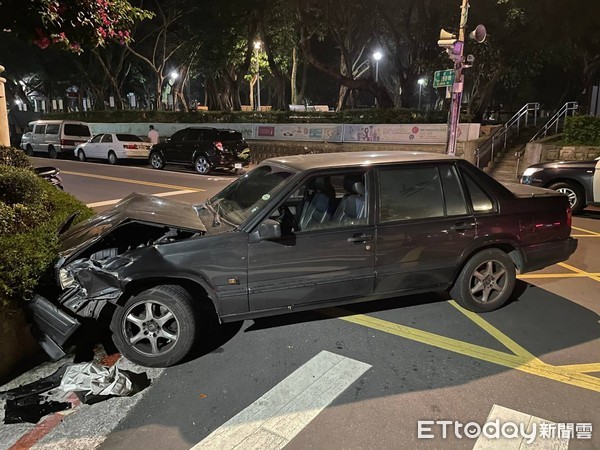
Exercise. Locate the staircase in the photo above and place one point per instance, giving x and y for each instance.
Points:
(504, 166)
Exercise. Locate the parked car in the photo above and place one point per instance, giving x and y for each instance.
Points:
(113, 147)
(54, 137)
(50, 174)
(299, 233)
(578, 180)
(205, 149)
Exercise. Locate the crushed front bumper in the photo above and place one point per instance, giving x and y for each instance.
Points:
(52, 327)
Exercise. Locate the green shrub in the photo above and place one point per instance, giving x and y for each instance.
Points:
(582, 130)
(382, 116)
(14, 157)
(20, 186)
(31, 211)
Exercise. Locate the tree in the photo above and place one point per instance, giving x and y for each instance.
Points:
(70, 24)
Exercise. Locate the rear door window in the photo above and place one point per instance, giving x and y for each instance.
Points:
(52, 129)
(195, 135)
(408, 193)
(76, 129)
(229, 135)
(107, 138)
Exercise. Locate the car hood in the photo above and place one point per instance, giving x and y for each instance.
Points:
(135, 207)
(524, 190)
(559, 164)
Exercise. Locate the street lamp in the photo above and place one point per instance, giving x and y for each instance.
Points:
(257, 45)
(377, 56)
(421, 82)
(173, 75)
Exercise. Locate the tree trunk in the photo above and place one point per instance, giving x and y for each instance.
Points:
(293, 80)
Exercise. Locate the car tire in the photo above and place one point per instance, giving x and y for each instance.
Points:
(201, 165)
(156, 160)
(486, 282)
(29, 150)
(574, 192)
(81, 156)
(112, 158)
(161, 321)
(52, 152)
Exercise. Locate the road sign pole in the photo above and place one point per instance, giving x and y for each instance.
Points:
(457, 88)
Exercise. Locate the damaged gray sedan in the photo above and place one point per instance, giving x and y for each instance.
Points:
(299, 233)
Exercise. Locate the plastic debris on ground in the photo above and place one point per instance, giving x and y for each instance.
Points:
(93, 383)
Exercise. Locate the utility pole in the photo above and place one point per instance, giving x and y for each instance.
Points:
(4, 133)
(455, 48)
(457, 87)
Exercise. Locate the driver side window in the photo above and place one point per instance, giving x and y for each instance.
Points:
(324, 202)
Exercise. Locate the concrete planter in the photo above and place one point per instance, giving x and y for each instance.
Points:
(544, 151)
(19, 350)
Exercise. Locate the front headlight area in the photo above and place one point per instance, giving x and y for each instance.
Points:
(531, 170)
(65, 278)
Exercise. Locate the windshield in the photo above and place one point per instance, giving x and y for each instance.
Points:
(245, 196)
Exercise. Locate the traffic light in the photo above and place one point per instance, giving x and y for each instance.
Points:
(452, 45)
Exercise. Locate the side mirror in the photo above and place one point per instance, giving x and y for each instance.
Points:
(268, 230)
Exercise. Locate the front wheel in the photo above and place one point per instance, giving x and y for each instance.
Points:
(486, 282)
(202, 165)
(156, 160)
(81, 156)
(155, 328)
(573, 192)
(29, 150)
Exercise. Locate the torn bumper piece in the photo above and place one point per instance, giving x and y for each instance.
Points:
(52, 327)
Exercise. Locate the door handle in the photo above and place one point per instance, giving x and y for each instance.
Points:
(463, 226)
(357, 238)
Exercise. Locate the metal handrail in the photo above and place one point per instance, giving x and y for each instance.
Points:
(485, 152)
(555, 120)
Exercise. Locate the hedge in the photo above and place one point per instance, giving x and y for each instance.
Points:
(31, 211)
(582, 130)
(380, 116)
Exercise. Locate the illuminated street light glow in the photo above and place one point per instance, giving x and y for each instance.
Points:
(377, 56)
(422, 81)
(174, 75)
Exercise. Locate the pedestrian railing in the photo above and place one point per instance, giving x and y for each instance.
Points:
(552, 126)
(499, 138)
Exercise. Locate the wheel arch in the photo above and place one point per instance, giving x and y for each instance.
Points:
(508, 246)
(572, 181)
(204, 297)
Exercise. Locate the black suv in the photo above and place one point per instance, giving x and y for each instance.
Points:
(204, 149)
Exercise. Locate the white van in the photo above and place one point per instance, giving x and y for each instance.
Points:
(54, 136)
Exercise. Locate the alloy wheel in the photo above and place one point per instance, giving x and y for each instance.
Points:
(150, 328)
(488, 281)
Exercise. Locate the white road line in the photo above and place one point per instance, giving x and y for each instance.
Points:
(273, 420)
(161, 194)
(504, 415)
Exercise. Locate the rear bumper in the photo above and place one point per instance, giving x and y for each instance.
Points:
(52, 327)
(537, 257)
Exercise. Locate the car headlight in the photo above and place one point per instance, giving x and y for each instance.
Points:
(531, 170)
(65, 278)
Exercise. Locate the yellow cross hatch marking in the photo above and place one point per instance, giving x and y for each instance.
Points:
(522, 360)
(579, 271)
(585, 231)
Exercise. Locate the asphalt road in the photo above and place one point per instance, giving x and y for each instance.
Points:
(399, 361)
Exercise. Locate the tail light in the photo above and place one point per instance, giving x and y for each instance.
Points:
(218, 145)
(130, 146)
(66, 142)
(569, 216)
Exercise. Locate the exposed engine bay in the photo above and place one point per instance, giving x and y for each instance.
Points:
(92, 279)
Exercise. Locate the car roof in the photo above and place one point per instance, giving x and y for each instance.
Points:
(345, 159)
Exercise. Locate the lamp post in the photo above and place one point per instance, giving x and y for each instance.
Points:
(257, 46)
(4, 133)
(421, 82)
(377, 56)
(173, 76)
